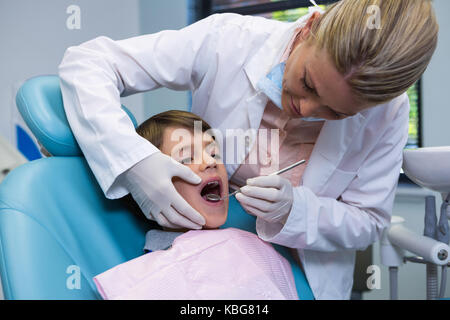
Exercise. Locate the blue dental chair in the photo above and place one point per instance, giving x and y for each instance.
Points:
(57, 229)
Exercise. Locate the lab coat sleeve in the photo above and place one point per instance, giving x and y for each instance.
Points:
(356, 219)
(95, 74)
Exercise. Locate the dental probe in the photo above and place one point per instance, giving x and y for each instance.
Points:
(215, 197)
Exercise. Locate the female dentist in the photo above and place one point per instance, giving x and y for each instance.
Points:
(347, 70)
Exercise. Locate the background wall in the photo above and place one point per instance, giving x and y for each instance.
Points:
(410, 202)
(436, 102)
(34, 37)
(156, 16)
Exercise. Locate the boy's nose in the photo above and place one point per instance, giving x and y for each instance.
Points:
(208, 162)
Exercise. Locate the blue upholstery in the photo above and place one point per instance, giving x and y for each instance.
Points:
(53, 214)
(40, 103)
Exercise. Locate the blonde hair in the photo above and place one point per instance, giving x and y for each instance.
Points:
(379, 62)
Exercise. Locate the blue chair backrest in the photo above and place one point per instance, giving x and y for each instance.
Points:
(55, 222)
(40, 103)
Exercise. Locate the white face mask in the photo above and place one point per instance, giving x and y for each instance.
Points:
(272, 86)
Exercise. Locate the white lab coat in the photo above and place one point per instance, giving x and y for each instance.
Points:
(349, 183)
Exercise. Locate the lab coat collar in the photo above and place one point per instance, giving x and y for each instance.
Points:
(270, 53)
(262, 62)
(335, 136)
(334, 140)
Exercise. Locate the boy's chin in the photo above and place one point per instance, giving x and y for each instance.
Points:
(210, 225)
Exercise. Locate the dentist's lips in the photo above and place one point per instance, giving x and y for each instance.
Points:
(294, 108)
(212, 185)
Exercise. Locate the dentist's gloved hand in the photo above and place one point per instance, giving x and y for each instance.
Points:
(150, 184)
(267, 197)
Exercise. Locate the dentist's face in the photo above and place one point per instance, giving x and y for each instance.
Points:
(207, 165)
(312, 86)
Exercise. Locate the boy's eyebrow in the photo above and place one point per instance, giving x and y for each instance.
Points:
(180, 149)
(191, 146)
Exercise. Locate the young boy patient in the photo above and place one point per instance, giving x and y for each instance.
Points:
(198, 264)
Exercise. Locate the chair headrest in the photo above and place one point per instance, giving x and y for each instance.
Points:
(40, 103)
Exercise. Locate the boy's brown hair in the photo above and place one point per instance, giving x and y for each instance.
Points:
(153, 128)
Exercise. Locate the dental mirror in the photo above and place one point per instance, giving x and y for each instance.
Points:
(216, 198)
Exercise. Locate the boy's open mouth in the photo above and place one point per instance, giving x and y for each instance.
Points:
(212, 186)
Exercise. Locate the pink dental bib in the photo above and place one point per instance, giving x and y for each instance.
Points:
(204, 265)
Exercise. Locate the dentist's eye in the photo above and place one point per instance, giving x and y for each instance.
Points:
(306, 87)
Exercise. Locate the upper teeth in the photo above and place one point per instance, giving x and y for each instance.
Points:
(212, 184)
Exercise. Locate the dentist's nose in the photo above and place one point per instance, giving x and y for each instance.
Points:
(309, 108)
